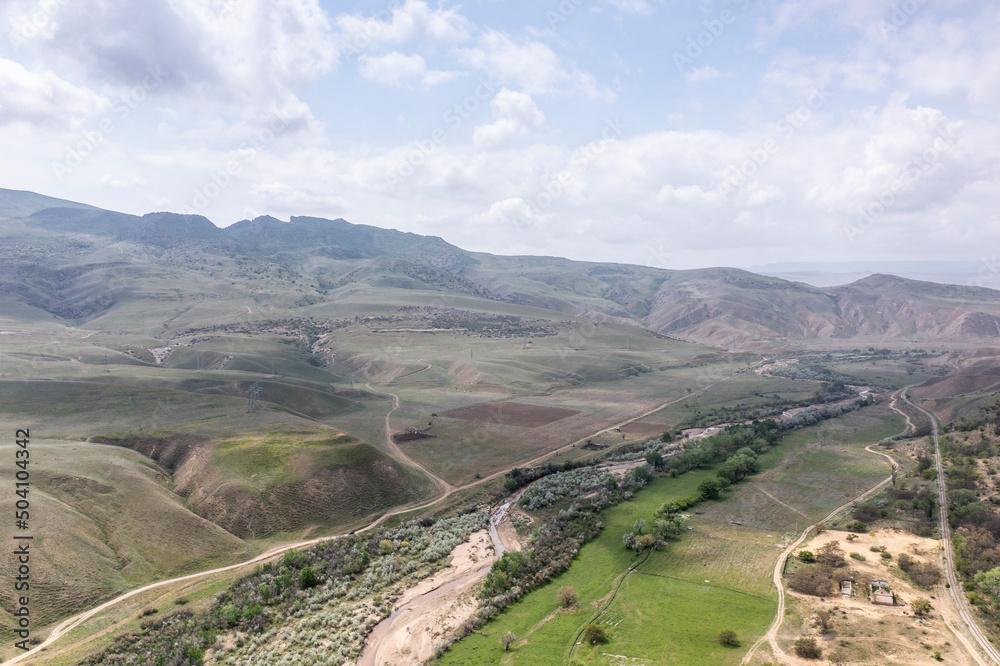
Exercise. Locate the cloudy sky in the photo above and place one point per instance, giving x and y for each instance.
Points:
(671, 133)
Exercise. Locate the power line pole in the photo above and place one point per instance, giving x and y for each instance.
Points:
(106, 368)
(255, 391)
(352, 381)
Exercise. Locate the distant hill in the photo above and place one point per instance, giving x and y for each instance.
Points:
(89, 266)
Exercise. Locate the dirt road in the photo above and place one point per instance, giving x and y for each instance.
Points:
(771, 636)
(957, 595)
(72, 623)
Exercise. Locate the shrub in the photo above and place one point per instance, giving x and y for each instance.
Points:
(858, 556)
(567, 596)
(595, 635)
(921, 606)
(807, 648)
(308, 578)
(831, 555)
(728, 638)
(815, 581)
(856, 526)
(806, 556)
(507, 640)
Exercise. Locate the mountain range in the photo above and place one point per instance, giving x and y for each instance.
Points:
(88, 267)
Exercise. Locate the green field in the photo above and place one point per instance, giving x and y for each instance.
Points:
(715, 576)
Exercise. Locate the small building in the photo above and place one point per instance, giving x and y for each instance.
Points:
(881, 593)
(846, 589)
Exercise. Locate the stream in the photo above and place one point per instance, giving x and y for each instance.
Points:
(384, 628)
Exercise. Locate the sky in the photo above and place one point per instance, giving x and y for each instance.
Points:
(667, 133)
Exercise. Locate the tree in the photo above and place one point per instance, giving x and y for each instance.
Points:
(507, 640)
(639, 525)
(807, 648)
(728, 638)
(921, 606)
(308, 578)
(806, 556)
(628, 540)
(989, 582)
(510, 485)
(567, 596)
(710, 488)
(645, 541)
(831, 555)
(671, 524)
(385, 546)
(595, 635)
(655, 459)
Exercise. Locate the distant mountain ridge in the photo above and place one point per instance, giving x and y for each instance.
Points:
(59, 263)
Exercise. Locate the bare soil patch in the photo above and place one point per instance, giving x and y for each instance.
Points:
(513, 414)
(640, 428)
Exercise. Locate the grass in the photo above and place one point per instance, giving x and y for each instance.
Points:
(660, 620)
(546, 634)
(106, 521)
(666, 611)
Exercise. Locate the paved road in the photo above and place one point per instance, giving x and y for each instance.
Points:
(955, 587)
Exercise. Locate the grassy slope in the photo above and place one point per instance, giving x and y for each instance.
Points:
(105, 520)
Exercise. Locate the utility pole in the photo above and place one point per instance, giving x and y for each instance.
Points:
(352, 381)
(106, 368)
(255, 391)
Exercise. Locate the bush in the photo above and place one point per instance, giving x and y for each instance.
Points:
(567, 596)
(595, 635)
(856, 526)
(807, 648)
(831, 555)
(921, 607)
(308, 578)
(806, 556)
(814, 581)
(507, 640)
(728, 638)
(858, 556)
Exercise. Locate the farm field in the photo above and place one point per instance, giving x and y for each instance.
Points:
(736, 560)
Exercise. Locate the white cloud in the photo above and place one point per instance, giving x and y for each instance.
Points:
(531, 66)
(250, 53)
(399, 25)
(41, 98)
(397, 69)
(515, 113)
(706, 73)
(637, 7)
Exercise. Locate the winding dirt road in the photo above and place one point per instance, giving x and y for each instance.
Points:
(447, 490)
(771, 636)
